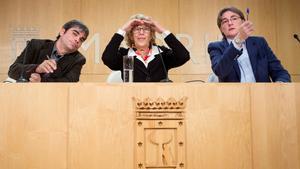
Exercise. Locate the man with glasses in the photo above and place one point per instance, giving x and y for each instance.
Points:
(52, 61)
(240, 57)
(151, 62)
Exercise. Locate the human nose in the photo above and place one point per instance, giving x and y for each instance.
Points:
(141, 30)
(77, 39)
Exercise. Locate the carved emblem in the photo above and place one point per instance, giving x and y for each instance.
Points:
(160, 133)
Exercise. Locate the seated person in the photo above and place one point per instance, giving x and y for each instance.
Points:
(53, 61)
(240, 57)
(151, 62)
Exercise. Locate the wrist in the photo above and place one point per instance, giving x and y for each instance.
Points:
(238, 41)
(165, 33)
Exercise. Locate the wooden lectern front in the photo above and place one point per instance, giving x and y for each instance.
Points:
(150, 126)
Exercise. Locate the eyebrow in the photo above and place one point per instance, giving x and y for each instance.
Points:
(82, 38)
(76, 31)
(232, 16)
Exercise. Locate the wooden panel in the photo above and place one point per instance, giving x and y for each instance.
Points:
(33, 126)
(218, 127)
(100, 134)
(193, 21)
(287, 14)
(91, 125)
(275, 117)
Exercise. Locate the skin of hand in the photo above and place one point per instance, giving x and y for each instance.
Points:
(131, 23)
(155, 25)
(47, 66)
(35, 77)
(245, 30)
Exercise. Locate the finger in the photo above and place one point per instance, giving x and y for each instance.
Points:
(33, 77)
(149, 21)
(46, 68)
(52, 63)
(136, 22)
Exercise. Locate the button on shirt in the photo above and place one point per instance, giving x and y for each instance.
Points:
(244, 63)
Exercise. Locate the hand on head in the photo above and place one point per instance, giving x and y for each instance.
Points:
(155, 25)
(131, 23)
(148, 22)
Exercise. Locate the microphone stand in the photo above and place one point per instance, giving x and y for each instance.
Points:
(164, 67)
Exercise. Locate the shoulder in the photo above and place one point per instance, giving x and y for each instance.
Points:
(257, 39)
(79, 57)
(40, 43)
(215, 43)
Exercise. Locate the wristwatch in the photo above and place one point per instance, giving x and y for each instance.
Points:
(238, 41)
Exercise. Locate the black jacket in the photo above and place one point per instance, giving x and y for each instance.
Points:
(154, 72)
(68, 67)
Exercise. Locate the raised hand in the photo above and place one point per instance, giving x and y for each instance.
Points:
(131, 23)
(155, 25)
(245, 30)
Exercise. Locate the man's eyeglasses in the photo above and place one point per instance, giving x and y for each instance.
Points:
(139, 29)
(233, 19)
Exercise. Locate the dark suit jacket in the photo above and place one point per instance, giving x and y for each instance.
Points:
(174, 57)
(265, 65)
(68, 67)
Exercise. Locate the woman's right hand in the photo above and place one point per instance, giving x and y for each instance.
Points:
(130, 24)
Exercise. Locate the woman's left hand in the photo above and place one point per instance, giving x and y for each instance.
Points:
(155, 25)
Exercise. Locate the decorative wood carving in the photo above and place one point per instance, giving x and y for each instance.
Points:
(160, 133)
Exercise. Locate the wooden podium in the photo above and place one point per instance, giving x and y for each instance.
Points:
(97, 125)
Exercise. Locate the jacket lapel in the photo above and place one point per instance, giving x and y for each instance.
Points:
(46, 50)
(252, 52)
(235, 64)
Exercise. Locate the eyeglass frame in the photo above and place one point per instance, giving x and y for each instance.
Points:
(232, 19)
(138, 29)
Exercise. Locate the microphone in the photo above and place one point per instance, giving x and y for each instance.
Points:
(297, 37)
(22, 78)
(164, 67)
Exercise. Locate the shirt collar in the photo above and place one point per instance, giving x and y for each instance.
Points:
(154, 52)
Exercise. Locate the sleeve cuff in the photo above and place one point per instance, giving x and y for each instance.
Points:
(121, 32)
(237, 46)
(165, 33)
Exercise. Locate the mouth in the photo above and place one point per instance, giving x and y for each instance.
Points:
(141, 39)
(231, 29)
(74, 45)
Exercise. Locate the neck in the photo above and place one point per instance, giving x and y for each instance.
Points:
(60, 49)
(143, 50)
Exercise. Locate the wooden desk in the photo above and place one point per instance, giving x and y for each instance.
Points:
(91, 125)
